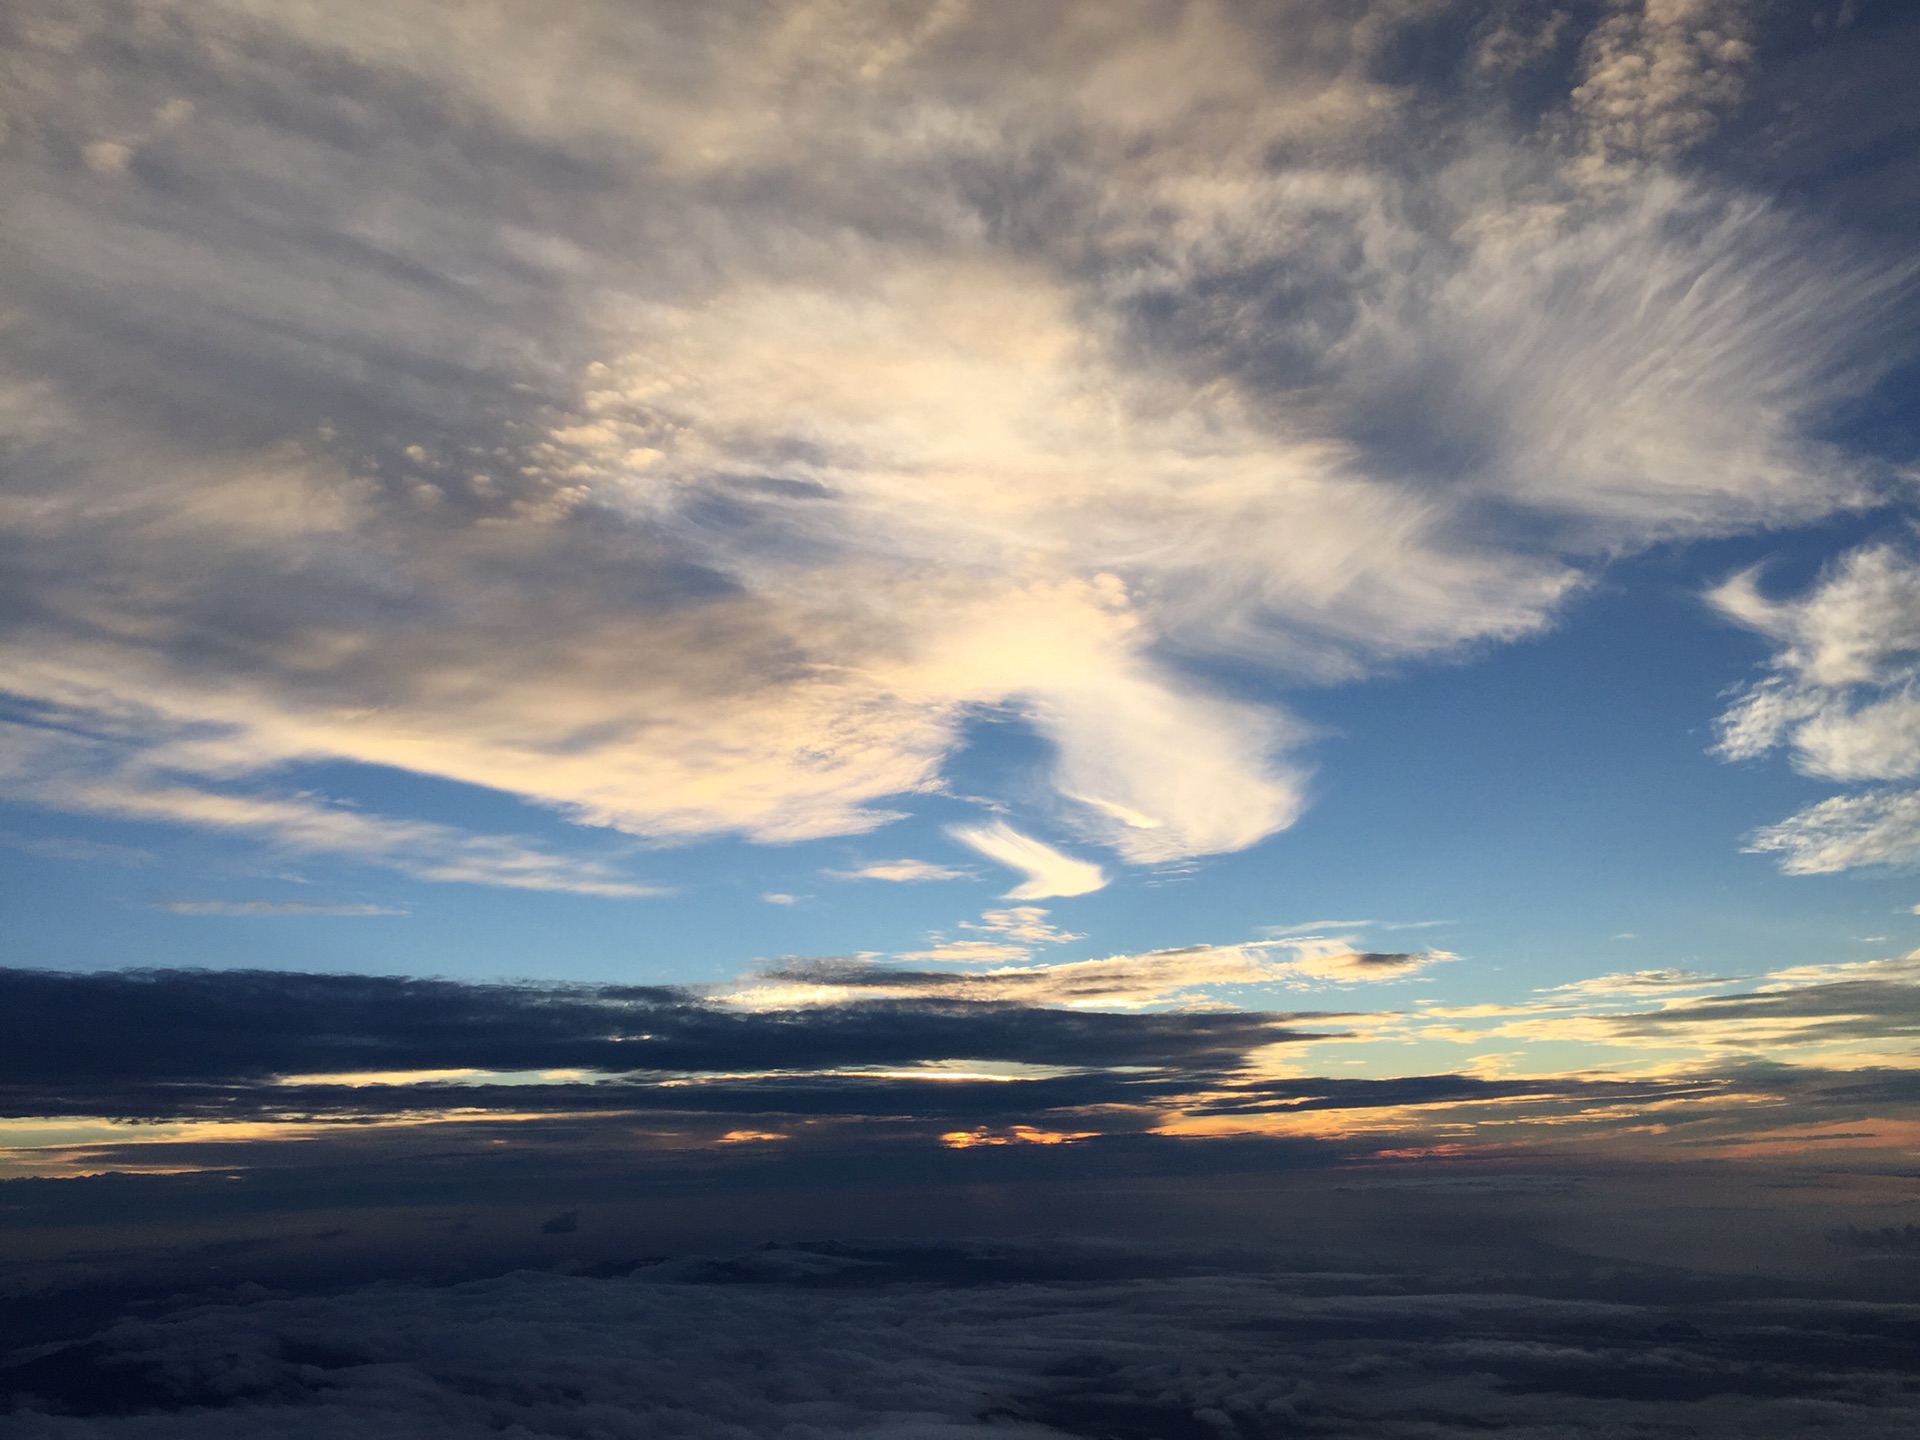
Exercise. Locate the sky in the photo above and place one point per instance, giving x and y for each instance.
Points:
(644, 496)
(640, 495)
(970, 597)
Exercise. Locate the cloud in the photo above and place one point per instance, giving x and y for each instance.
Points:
(62, 771)
(1844, 698)
(1852, 1015)
(922, 1337)
(1023, 922)
(836, 1053)
(235, 1026)
(969, 952)
(1877, 828)
(1337, 959)
(1632, 983)
(691, 425)
(1017, 931)
(1048, 871)
(1118, 983)
(901, 872)
(1656, 75)
(269, 907)
(61, 847)
(1361, 966)
(1190, 976)
(1841, 694)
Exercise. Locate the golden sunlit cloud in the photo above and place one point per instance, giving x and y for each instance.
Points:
(1049, 872)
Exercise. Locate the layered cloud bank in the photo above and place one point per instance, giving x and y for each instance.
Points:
(192, 1071)
(690, 420)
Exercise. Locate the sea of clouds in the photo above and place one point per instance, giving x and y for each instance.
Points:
(1015, 1340)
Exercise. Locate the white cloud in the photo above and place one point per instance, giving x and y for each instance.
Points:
(1016, 931)
(900, 872)
(1844, 697)
(1337, 959)
(1843, 691)
(968, 952)
(1027, 923)
(1048, 871)
(1881, 827)
(69, 773)
(1635, 983)
(1357, 967)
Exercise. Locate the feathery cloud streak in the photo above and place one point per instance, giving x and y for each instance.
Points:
(1049, 872)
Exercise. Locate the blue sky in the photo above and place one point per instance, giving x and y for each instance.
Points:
(1547, 809)
(658, 496)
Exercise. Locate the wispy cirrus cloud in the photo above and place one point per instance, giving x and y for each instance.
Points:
(1027, 923)
(65, 847)
(1636, 983)
(1011, 935)
(689, 422)
(1880, 827)
(56, 769)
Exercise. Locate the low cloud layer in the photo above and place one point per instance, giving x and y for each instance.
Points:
(252, 1026)
(828, 1053)
(1017, 1340)
(690, 421)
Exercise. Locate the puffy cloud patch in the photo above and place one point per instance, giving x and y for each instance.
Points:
(1658, 74)
(1849, 658)
(1843, 699)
